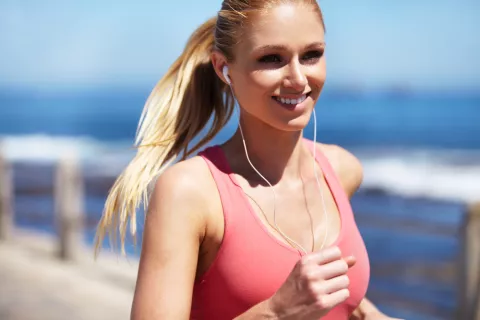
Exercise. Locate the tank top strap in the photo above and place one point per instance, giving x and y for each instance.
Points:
(324, 163)
(220, 171)
(215, 160)
(333, 181)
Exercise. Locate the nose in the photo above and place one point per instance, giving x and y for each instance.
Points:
(295, 77)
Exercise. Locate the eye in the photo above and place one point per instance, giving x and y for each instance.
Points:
(313, 56)
(271, 58)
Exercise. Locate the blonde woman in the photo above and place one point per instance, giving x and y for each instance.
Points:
(261, 226)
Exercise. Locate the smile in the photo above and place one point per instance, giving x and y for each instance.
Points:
(292, 101)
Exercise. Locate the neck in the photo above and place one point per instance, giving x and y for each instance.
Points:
(276, 154)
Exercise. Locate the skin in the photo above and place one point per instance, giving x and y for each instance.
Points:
(166, 274)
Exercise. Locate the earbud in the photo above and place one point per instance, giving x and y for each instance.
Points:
(225, 75)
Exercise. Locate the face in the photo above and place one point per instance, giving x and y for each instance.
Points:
(279, 68)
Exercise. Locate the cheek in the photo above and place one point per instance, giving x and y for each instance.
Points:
(320, 73)
(266, 80)
(259, 84)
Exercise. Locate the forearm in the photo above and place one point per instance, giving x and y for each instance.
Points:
(261, 310)
(364, 308)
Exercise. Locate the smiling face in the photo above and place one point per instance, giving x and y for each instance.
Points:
(279, 67)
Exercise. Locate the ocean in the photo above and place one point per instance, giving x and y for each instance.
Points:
(421, 146)
(409, 142)
(415, 120)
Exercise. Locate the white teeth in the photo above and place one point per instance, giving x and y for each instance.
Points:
(292, 101)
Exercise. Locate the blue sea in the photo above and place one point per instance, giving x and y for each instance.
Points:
(420, 152)
(378, 119)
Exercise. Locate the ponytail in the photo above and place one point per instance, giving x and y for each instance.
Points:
(178, 108)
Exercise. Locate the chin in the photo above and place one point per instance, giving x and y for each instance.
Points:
(297, 124)
(293, 124)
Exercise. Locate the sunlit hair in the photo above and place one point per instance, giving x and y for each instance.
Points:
(179, 107)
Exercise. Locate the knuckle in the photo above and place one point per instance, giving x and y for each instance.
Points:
(304, 276)
(343, 266)
(337, 251)
(311, 278)
(304, 262)
(307, 276)
(312, 289)
(302, 266)
(334, 252)
(310, 274)
(321, 302)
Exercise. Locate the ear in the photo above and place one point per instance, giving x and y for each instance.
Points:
(218, 62)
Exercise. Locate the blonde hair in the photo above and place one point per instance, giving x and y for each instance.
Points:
(179, 107)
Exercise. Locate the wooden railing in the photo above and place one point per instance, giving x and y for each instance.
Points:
(6, 198)
(425, 254)
(70, 221)
(68, 205)
(469, 275)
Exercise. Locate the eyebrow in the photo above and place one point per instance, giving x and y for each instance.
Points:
(280, 47)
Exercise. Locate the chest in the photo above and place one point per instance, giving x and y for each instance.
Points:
(306, 214)
(252, 266)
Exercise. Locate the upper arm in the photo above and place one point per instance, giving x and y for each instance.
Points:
(174, 228)
(347, 167)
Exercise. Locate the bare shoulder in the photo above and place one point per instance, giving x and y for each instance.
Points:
(186, 189)
(184, 181)
(346, 165)
(174, 227)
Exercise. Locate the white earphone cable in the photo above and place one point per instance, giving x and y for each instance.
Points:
(288, 239)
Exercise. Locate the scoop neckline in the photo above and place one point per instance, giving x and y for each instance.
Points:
(329, 182)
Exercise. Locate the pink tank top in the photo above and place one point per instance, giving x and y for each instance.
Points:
(252, 263)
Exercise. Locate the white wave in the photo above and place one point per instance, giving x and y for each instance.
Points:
(101, 157)
(445, 174)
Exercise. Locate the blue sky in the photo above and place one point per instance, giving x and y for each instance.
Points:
(428, 44)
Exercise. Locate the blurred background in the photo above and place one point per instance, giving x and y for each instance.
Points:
(402, 94)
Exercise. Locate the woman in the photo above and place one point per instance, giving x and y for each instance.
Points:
(259, 227)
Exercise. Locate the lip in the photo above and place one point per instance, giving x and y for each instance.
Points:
(289, 106)
(293, 96)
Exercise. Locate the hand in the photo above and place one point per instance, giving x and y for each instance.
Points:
(317, 283)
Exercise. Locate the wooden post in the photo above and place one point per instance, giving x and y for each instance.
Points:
(6, 198)
(469, 288)
(476, 304)
(68, 193)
